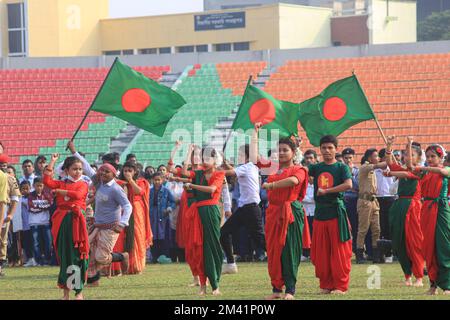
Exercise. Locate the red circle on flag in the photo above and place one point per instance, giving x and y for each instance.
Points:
(325, 180)
(334, 109)
(262, 111)
(136, 100)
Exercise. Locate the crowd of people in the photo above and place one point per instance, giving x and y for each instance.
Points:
(288, 207)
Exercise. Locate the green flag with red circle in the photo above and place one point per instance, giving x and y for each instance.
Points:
(259, 106)
(340, 106)
(132, 97)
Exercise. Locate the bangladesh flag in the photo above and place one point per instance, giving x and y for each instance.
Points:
(340, 106)
(131, 96)
(259, 106)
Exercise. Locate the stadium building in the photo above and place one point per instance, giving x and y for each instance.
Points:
(61, 28)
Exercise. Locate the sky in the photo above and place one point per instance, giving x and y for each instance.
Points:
(133, 8)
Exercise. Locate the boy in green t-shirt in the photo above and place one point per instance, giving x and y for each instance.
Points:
(331, 247)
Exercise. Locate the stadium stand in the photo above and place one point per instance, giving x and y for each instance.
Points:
(54, 101)
(410, 94)
(208, 99)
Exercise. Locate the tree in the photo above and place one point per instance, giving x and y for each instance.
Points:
(435, 27)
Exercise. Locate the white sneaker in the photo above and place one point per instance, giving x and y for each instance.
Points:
(229, 268)
(389, 259)
(30, 263)
(304, 259)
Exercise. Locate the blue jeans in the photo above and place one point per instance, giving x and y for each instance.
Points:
(43, 233)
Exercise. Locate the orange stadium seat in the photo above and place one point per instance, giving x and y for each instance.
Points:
(234, 75)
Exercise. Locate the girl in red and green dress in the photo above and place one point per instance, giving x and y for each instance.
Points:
(191, 163)
(435, 220)
(405, 213)
(285, 221)
(69, 231)
(137, 237)
(204, 222)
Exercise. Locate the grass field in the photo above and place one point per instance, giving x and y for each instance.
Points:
(169, 282)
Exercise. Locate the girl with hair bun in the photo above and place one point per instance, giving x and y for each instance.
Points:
(435, 219)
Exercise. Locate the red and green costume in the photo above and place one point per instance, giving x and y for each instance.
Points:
(137, 237)
(331, 247)
(203, 229)
(306, 241)
(183, 238)
(284, 229)
(69, 231)
(404, 221)
(435, 222)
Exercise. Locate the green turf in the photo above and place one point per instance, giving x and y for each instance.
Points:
(169, 282)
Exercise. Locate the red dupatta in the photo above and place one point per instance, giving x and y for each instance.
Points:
(145, 194)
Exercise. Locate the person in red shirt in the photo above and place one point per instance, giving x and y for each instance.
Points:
(70, 238)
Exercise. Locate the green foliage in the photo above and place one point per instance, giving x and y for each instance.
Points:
(435, 27)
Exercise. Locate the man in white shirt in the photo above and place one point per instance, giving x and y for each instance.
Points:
(385, 186)
(309, 204)
(248, 213)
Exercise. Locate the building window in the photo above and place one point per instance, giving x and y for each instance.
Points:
(128, 52)
(223, 47)
(17, 31)
(336, 43)
(201, 48)
(112, 53)
(165, 50)
(241, 46)
(185, 49)
(148, 51)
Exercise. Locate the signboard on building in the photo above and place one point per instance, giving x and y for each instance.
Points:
(219, 21)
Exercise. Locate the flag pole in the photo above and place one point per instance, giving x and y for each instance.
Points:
(231, 130)
(92, 104)
(373, 113)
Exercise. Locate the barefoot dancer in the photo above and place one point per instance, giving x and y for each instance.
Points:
(138, 235)
(404, 215)
(204, 216)
(191, 163)
(284, 220)
(331, 248)
(110, 201)
(435, 220)
(69, 231)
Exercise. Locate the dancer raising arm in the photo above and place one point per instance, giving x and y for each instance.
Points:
(404, 215)
(70, 238)
(284, 220)
(435, 219)
(204, 221)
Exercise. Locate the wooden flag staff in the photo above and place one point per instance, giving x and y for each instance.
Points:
(231, 130)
